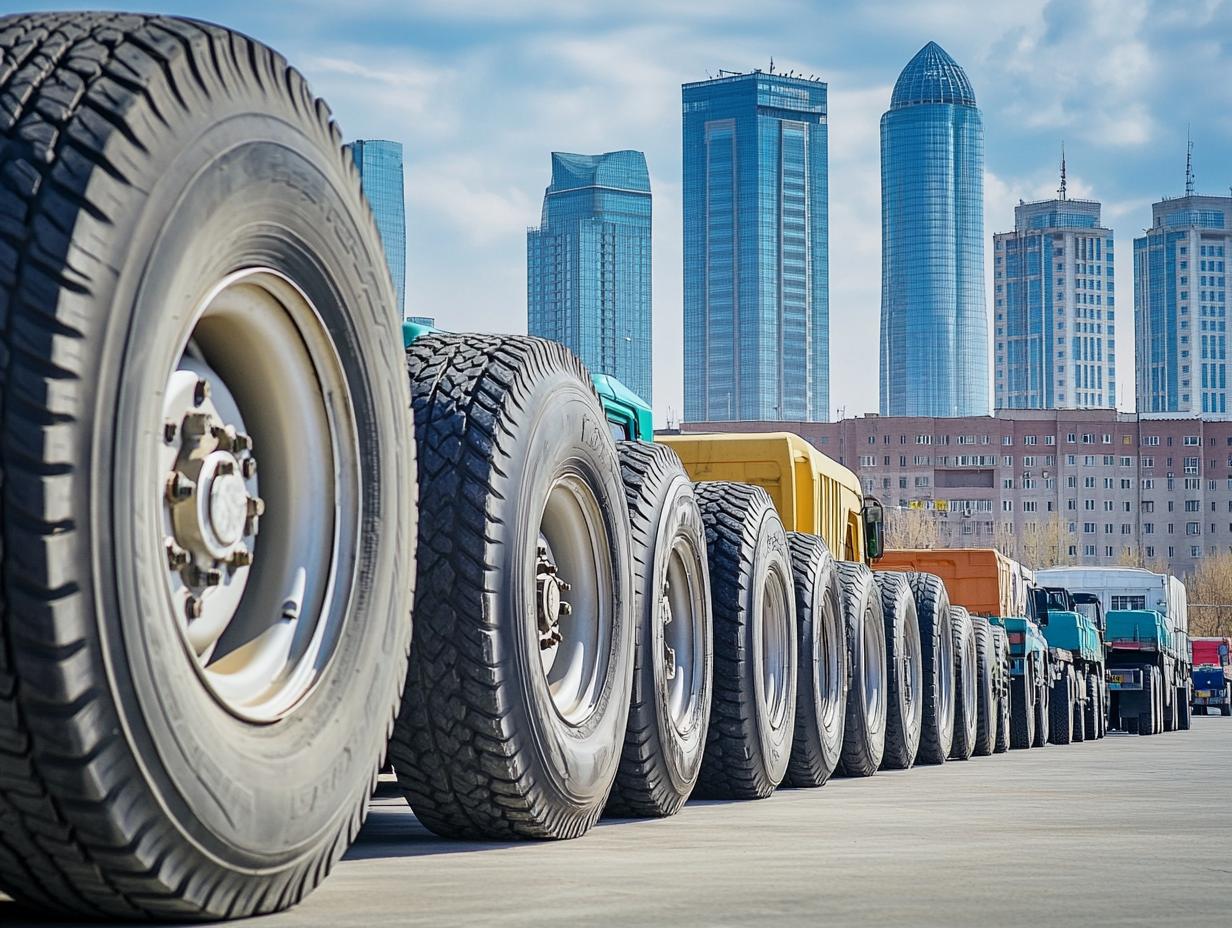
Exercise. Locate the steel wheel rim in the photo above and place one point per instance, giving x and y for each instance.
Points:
(775, 646)
(574, 592)
(260, 605)
(969, 689)
(913, 677)
(945, 678)
(829, 669)
(685, 603)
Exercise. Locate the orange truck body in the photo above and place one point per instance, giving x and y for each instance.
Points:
(983, 580)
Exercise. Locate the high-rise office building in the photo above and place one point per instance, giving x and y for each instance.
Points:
(588, 264)
(1181, 306)
(1054, 307)
(756, 278)
(934, 327)
(380, 172)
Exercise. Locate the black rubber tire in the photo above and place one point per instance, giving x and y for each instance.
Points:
(1079, 725)
(822, 675)
(480, 747)
(935, 615)
(143, 160)
(1184, 720)
(1093, 708)
(906, 679)
(749, 741)
(966, 688)
(864, 730)
(1043, 705)
(663, 749)
(1225, 709)
(1001, 657)
(1170, 711)
(1149, 721)
(1023, 713)
(1061, 708)
(986, 701)
(1131, 725)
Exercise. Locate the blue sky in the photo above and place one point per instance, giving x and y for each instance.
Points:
(480, 92)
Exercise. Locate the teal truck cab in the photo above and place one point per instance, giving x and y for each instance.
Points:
(1146, 655)
(1074, 635)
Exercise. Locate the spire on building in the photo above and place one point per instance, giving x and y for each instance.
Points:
(1061, 191)
(1189, 174)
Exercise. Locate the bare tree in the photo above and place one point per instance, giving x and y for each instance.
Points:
(1047, 546)
(1209, 589)
(911, 528)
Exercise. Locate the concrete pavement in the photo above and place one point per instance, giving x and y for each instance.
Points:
(1127, 831)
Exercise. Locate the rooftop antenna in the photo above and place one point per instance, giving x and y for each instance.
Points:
(771, 64)
(1062, 190)
(1189, 175)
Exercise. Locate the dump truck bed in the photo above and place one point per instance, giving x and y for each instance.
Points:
(981, 579)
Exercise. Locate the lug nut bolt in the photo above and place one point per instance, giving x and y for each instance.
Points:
(256, 506)
(241, 557)
(177, 557)
(241, 442)
(196, 423)
(250, 468)
(192, 607)
(566, 609)
(201, 392)
(226, 467)
(210, 577)
(169, 431)
(179, 487)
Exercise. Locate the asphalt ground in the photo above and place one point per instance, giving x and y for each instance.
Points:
(1126, 831)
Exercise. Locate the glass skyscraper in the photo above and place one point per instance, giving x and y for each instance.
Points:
(588, 264)
(1181, 307)
(756, 279)
(934, 327)
(380, 172)
(1054, 308)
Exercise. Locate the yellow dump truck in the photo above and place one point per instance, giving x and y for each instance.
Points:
(901, 702)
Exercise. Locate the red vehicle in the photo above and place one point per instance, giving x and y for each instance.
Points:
(1212, 675)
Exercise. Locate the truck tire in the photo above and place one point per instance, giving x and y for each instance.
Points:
(190, 724)
(986, 703)
(1170, 709)
(1061, 708)
(752, 600)
(1184, 720)
(1005, 697)
(672, 661)
(1225, 709)
(515, 706)
(1079, 725)
(935, 614)
(821, 677)
(1043, 706)
(906, 678)
(965, 688)
(1092, 707)
(1148, 721)
(864, 730)
(1023, 714)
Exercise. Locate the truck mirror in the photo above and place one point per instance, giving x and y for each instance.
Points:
(1223, 652)
(874, 527)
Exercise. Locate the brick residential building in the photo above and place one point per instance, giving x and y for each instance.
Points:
(1110, 488)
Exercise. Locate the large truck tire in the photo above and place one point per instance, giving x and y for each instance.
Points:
(935, 615)
(1225, 709)
(966, 688)
(672, 661)
(753, 604)
(1061, 708)
(1023, 697)
(191, 719)
(1093, 707)
(864, 730)
(1001, 657)
(1168, 693)
(1043, 705)
(515, 707)
(1149, 720)
(1079, 704)
(821, 677)
(906, 678)
(1183, 721)
(986, 702)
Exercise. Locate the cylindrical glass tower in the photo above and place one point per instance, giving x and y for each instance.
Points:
(934, 328)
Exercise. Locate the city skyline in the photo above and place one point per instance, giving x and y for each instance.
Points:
(588, 264)
(380, 166)
(480, 92)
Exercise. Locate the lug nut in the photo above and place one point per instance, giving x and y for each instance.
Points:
(241, 442)
(177, 557)
(226, 467)
(256, 506)
(566, 609)
(209, 577)
(179, 487)
(225, 436)
(250, 468)
(169, 431)
(201, 392)
(241, 557)
(192, 607)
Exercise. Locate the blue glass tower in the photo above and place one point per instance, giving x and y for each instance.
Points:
(756, 278)
(588, 264)
(1181, 306)
(1055, 308)
(934, 327)
(380, 172)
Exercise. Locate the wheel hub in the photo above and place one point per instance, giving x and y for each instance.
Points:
(665, 619)
(550, 607)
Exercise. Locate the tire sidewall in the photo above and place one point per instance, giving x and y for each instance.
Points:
(771, 559)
